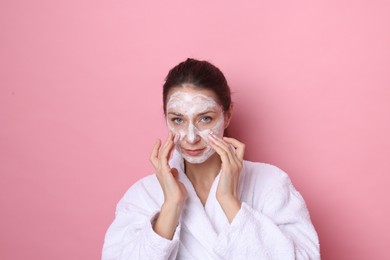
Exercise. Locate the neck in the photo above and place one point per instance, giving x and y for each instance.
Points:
(204, 173)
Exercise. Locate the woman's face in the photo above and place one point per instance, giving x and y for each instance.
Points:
(191, 114)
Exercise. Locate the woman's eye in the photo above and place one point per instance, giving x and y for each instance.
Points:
(206, 119)
(177, 120)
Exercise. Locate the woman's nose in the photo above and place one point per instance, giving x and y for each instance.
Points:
(192, 134)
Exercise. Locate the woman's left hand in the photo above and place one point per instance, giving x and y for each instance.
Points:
(232, 162)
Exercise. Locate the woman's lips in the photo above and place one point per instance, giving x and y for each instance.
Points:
(193, 152)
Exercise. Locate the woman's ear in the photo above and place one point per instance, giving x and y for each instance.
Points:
(228, 116)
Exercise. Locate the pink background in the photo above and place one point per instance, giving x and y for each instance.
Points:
(80, 108)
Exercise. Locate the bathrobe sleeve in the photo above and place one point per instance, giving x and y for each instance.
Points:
(131, 235)
(279, 229)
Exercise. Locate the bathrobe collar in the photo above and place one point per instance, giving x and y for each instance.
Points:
(204, 222)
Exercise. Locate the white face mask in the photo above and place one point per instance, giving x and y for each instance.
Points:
(191, 116)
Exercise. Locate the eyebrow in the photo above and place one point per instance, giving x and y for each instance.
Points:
(173, 113)
(206, 112)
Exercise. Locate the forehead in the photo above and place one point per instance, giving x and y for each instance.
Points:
(189, 96)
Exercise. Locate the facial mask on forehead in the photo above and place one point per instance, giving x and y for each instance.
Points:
(190, 105)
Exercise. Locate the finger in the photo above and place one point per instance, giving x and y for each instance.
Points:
(218, 141)
(238, 145)
(225, 146)
(165, 151)
(165, 143)
(174, 137)
(233, 141)
(154, 155)
(175, 173)
(235, 160)
(221, 152)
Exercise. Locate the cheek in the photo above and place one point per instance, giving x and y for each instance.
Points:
(218, 129)
(179, 133)
(205, 135)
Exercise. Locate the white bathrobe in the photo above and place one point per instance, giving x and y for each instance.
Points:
(273, 222)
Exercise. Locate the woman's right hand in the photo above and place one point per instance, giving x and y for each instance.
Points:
(174, 191)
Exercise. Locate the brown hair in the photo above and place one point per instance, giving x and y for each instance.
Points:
(201, 74)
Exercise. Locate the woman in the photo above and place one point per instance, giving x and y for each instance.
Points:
(206, 202)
